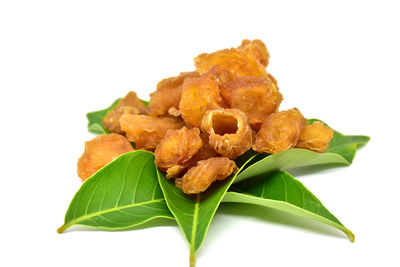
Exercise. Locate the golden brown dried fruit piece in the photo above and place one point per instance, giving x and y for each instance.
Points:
(257, 97)
(130, 104)
(168, 94)
(236, 61)
(146, 131)
(275, 85)
(199, 95)
(315, 137)
(201, 176)
(100, 151)
(279, 131)
(256, 48)
(205, 152)
(177, 147)
(229, 131)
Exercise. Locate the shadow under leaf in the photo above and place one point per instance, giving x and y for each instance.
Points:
(278, 217)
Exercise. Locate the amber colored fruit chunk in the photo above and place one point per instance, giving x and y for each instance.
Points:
(175, 171)
(273, 80)
(205, 152)
(168, 94)
(236, 61)
(201, 176)
(279, 131)
(177, 147)
(315, 137)
(100, 151)
(256, 48)
(146, 131)
(174, 112)
(275, 85)
(257, 97)
(199, 95)
(130, 104)
(229, 131)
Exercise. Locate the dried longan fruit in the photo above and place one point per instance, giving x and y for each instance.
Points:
(146, 131)
(199, 95)
(177, 147)
(273, 80)
(168, 94)
(173, 111)
(201, 176)
(100, 151)
(175, 171)
(130, 104)
(256, 48)
(205, 152)
(236, 61)
(279, 131)
(315, 137)
(257, 97)
(275, 85)
(229, 131)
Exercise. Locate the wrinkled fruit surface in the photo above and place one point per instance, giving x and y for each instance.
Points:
(237, 62)
(168, 94)
(130, 104)
(100, 151)
(146, 131)
(205, 152)
(229, 132)
(199, 95)
(256, 48)
(279, 131)
(257, 97)
(177, 147)
(200, 177)
(315, 137)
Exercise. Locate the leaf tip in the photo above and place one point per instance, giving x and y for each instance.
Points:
(351, 236)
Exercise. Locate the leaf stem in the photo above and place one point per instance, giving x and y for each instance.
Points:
(192, 259)
(194, 231)
(63, 228)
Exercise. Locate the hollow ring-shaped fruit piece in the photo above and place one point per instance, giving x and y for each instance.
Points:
(230, 134)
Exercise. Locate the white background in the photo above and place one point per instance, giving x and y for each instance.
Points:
(337, 61)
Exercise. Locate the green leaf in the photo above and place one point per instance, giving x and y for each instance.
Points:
(194, 213)
(95, 118)
(342, 150)
(123, 194)
(279, 190)
(146, 103)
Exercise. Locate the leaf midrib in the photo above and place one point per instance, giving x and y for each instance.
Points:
(309, 213)
(194, 228)
(254, 165)
(102, 212)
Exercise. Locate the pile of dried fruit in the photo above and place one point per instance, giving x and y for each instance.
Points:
(198, 122)
(220, 122)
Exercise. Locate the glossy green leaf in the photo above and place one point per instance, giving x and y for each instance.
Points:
(194, 213)
(123, 194)
(279, 190)
(95, 118)
(342, 150)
